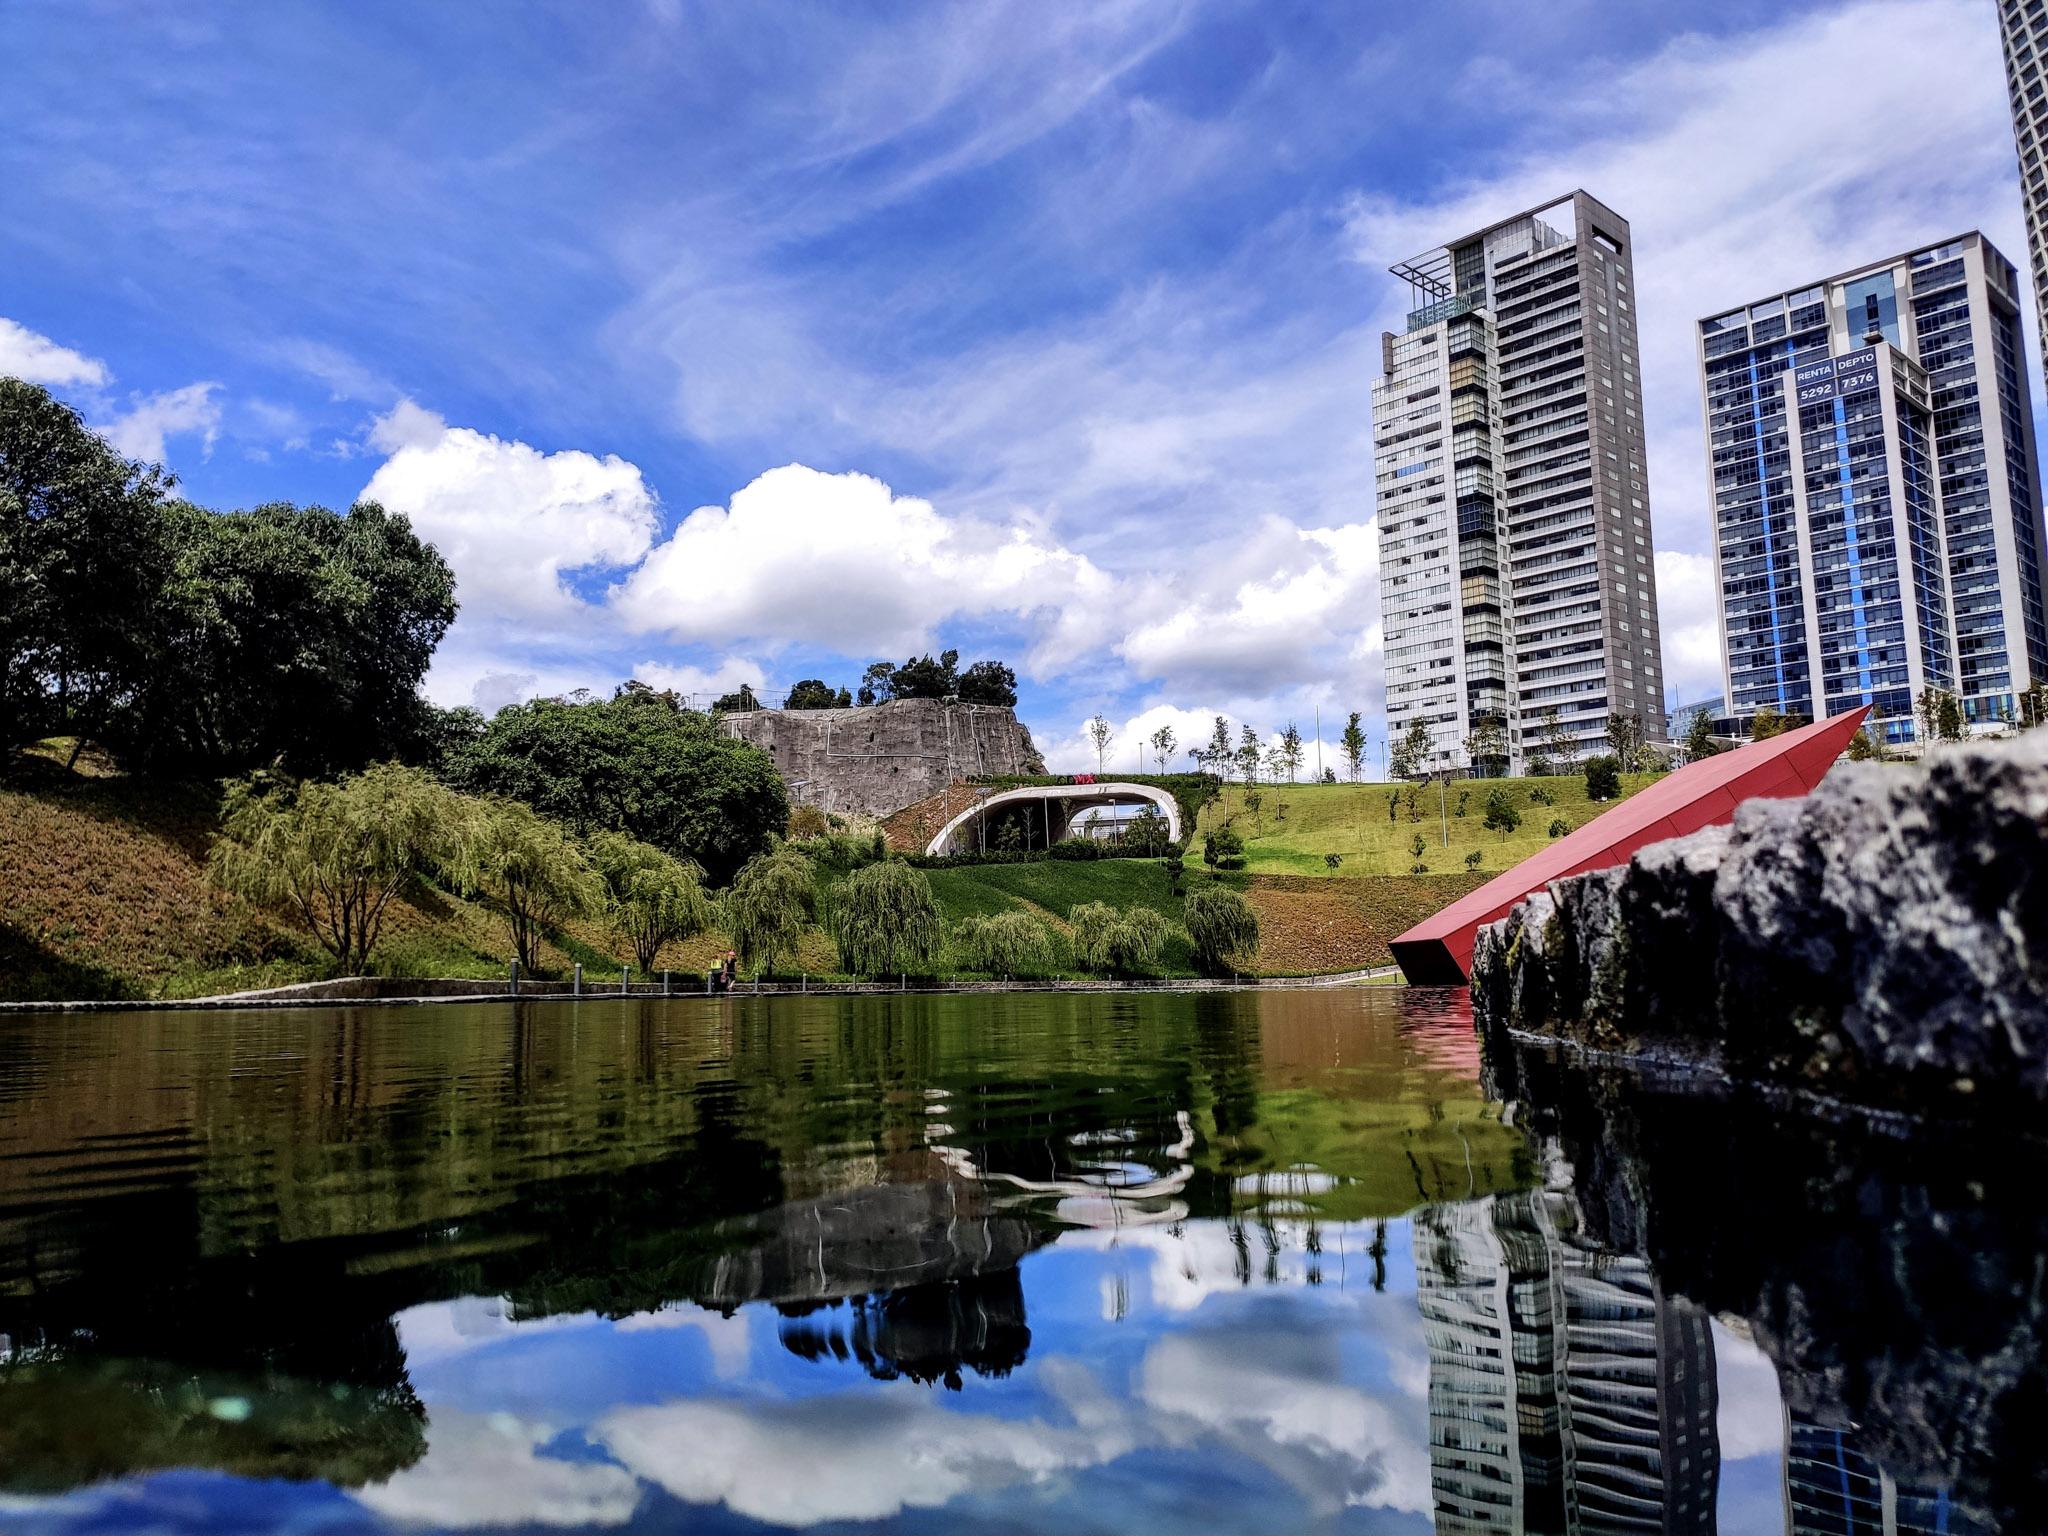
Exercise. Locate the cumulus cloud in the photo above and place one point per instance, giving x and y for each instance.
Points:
(726, 675)
(139, 432)
(26, 354)
(858, 1457)
(1689, 605)
(1751, 1417)
(1279, 1394)
(482, 1471)
(842, 562)
(1307, 599)
(514, 522)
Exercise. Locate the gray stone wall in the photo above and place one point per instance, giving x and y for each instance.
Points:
(877, 760)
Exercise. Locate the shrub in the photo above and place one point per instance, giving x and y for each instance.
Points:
(847, 850)
(1003, 944)
(1106, 939)
(1472, 859)
(1418, 868)
(807, 821)
(884, 920)
(1539, 767)
(1333, 862)
(1082, 849)
(1603, 778)
(1464, 799)
(1222, 926)
(1559, 826)
(1418, 845)
(1501, 815)
(1223, 849)
(1541, 796)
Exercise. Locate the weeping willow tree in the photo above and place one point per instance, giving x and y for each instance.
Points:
(885, 921)
(1222, 926)
(1120, 942)
(531, 865)
(334, 854)
(1003, 944)
(773, 900)
(651, 898)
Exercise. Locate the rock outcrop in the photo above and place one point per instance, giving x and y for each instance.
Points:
(1883, 939)
(876, 760)
(1892, 1274)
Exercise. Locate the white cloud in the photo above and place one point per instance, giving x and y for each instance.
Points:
(139, 432)
(1307, 600)
(726, 675)
(1689, 606)
(1279, 1396)
(841, 562)
(25, 354)
(858, 1457)
(1751, 1417)
(511, 520)
(484, 1471)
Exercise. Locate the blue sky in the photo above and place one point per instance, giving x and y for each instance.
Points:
(722, 343)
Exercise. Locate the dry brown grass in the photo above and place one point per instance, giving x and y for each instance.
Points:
(1316, 925)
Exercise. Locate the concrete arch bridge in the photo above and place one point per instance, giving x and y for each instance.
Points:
(1062, 809)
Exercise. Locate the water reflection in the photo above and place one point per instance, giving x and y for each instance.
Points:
(1236, 1262)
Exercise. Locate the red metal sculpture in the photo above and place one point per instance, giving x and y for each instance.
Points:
(1438, 950)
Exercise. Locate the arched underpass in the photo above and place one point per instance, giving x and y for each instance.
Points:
(1062, 807)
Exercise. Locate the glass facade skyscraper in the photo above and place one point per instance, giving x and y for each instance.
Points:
(1517, 571)
(1876, 491)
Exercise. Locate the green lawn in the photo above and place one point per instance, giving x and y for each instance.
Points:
(1295, 825)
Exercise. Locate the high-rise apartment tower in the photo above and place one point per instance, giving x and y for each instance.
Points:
(2023, 26)
(1876, 493)
(1517, 571)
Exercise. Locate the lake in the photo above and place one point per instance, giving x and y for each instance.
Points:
(1252, 1261)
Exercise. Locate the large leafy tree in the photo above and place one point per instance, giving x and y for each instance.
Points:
(82, 570)
(636, 763)
(988, 682)
(816, 693)
(334, 854)
(197, 641)
(293, 635)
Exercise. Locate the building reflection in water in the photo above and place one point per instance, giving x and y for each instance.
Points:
(1567, 1392)
(1833, 1489)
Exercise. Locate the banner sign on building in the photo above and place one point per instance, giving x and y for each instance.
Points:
(1833, 376)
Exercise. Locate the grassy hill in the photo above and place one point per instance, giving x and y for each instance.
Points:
(103, 890)
(1295, 825)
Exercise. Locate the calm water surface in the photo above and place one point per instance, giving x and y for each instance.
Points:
(1238, 1262)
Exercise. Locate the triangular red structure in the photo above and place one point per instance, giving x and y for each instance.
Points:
(1438, 950)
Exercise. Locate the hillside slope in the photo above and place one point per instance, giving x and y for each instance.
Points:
(103, 893)
(1372, 827)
